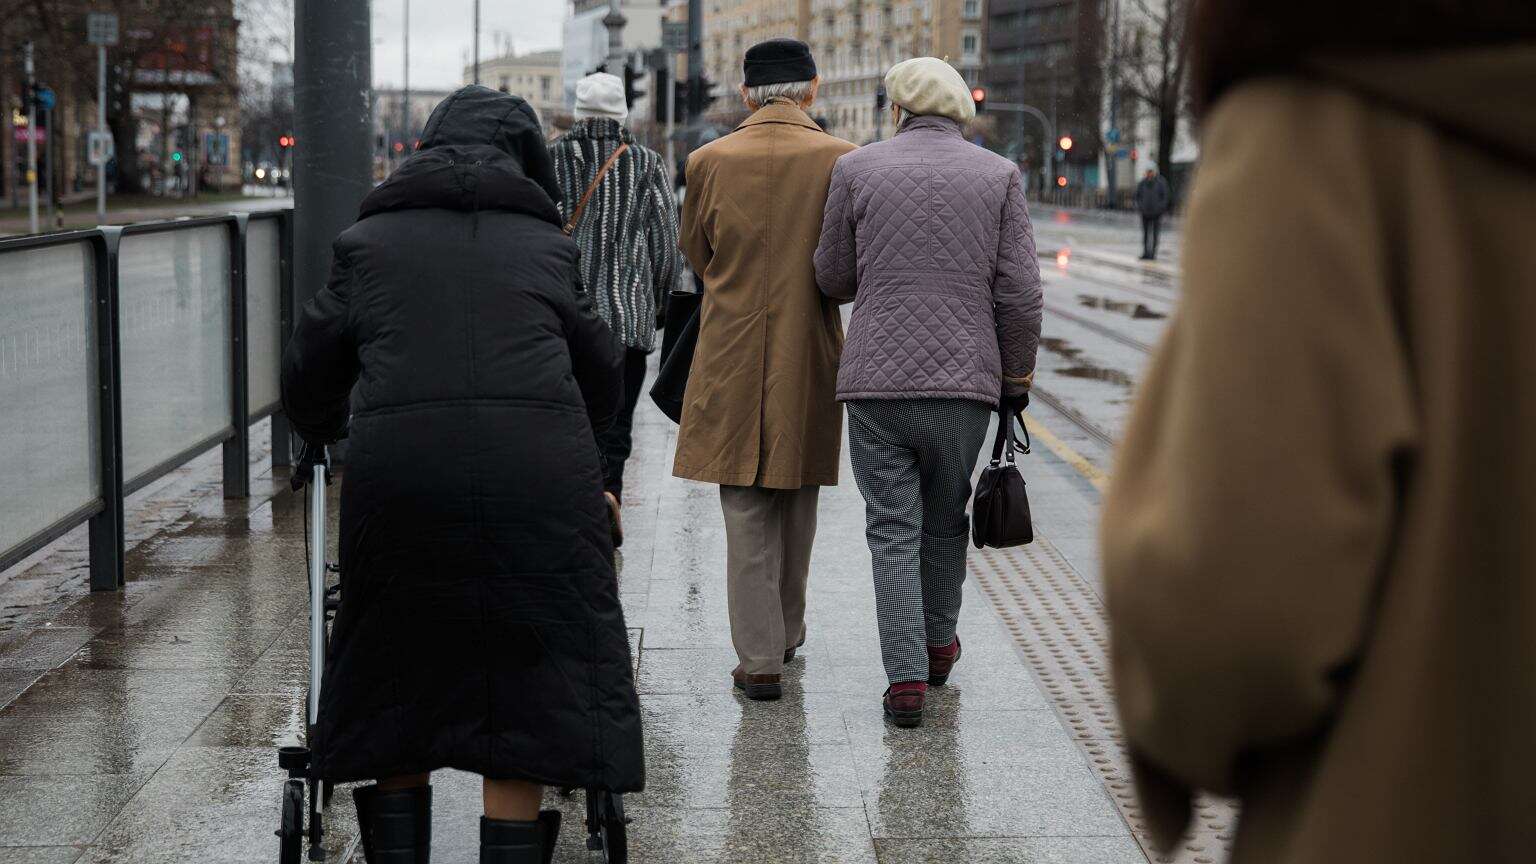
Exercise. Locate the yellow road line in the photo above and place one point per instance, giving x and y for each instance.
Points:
(1038, 432)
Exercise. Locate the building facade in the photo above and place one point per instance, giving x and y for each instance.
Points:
(536, 77)
(586, 39)
(1048, 54)
(855, 43)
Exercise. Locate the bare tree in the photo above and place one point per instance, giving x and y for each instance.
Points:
(1153, 65)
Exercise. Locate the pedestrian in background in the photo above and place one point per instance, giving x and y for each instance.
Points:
(920, 397)
(480, 627)
(1317, 546)
(759, 414)
(1153, 198)
(627, 232)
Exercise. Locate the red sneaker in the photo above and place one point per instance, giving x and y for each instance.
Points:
(941, 661)
(904, 703)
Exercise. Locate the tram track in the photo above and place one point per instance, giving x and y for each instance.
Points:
(1169, 297)
(1107, 332)
(1073, 416)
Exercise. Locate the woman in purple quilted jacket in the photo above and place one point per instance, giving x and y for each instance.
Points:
(928, 236)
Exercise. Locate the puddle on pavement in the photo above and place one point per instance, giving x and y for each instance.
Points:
(1094, 373)
(1125, 307)
(1082, 368)
(1060, 347)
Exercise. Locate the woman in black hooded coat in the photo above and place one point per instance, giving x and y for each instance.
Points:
(480, 625)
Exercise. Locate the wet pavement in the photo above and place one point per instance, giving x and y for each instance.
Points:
(140, 726)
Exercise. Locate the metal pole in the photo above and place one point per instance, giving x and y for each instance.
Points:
(477, 42)
(405, 95)
(671, 113)
(333, 154)
(48, 177)
(1114, 103)
(194, 147)
(101, 130)
(695, 60)
(31, 140)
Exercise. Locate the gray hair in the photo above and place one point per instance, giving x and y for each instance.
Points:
(795, 91)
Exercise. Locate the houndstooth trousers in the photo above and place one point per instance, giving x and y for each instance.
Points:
(913, 459)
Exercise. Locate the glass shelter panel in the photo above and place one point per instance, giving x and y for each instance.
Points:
(48, 395)
(174, 308)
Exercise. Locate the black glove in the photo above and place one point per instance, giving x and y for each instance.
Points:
(1015, 405)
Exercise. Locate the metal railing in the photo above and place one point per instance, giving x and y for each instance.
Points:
(127, 352)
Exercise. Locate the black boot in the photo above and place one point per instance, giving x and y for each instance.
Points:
(504, 841)
(395, 827)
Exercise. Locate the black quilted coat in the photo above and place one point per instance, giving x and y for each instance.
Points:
(480, 625)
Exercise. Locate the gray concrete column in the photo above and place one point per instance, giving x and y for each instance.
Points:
(333, 154)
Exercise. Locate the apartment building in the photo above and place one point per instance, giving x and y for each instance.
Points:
(855, 42)
(536, 77)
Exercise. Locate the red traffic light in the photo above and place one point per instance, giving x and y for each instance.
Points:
(284, 141)
(978, 94)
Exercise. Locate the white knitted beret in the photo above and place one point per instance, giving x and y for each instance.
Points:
(928, 85)
(601, 95)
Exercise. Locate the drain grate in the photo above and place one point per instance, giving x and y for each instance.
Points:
(1060, 623)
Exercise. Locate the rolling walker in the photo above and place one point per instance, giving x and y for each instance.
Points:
(306, 795)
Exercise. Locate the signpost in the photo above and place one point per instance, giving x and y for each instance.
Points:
(101, 31)
(674, 41)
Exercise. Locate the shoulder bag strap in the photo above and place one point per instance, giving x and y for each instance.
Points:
(1007, 437)
(570, 225)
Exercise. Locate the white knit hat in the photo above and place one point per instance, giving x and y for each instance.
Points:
(928, 85)
(601, 95)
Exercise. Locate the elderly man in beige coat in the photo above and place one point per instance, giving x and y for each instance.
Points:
(759, 415)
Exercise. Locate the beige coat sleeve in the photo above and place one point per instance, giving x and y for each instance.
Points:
(1253, 506)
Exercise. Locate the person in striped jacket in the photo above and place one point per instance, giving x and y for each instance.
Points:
(628, 237)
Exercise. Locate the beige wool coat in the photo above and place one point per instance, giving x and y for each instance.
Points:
(1320, 542)
(760, 408)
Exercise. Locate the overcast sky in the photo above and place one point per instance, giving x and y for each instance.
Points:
(442, 30)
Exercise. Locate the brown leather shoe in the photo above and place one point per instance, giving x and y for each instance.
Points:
(615, 523)
(904, 703)
(763, 688)
(789, 653)
(941, 661)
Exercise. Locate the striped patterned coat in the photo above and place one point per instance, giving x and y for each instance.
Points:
(628, 232)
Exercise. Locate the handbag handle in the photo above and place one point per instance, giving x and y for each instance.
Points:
(1006, 437)
(570, 225)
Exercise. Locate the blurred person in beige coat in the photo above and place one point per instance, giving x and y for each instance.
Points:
(760, 416)
(1320, 543)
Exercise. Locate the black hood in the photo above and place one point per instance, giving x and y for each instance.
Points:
(481, 150)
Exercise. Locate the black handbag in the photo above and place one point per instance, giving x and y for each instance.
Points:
(1000, 511)
(678, 343)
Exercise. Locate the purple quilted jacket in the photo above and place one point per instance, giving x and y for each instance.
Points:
(929, 237)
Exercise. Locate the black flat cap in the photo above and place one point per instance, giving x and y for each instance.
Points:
(778, 61)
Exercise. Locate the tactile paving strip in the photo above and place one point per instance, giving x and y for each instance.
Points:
(1060, 623)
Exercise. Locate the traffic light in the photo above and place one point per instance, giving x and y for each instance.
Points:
(659, 87)
(1065, 143)
(285, 141)
(979, 96)
(699, 102)
(631, 92)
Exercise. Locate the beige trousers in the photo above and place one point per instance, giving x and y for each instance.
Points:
(768, 536)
